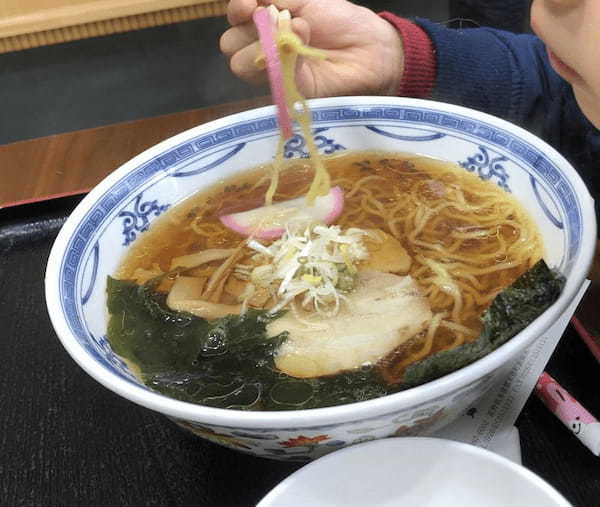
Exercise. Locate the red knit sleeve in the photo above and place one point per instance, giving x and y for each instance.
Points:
(418, 79)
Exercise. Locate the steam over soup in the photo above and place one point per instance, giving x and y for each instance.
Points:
(407, 270)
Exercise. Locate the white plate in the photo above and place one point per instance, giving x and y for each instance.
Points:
(423, 472)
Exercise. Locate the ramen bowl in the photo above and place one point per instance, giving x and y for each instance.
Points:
(99, 232)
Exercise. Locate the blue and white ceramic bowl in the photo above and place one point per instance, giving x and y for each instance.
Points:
(98, 233)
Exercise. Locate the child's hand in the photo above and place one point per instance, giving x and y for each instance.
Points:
(364, 52)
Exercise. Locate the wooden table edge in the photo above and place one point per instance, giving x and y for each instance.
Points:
(74, 162)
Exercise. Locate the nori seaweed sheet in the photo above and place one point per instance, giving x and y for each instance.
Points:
(228, 363)
(510, 312)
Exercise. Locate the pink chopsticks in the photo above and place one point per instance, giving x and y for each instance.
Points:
(265, 27)
(592, 343)
(570, 412)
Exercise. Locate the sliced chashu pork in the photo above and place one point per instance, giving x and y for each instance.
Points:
(185, 296)
(383, 312)
(385, 254)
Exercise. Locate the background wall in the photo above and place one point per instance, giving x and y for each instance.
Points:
(128, 76)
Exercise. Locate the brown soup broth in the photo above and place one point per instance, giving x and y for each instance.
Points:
(441, 213)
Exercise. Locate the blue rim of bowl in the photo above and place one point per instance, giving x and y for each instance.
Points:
(348, 107)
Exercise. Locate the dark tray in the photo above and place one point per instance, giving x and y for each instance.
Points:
(66, 440)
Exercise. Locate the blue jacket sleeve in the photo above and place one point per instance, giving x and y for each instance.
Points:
(498, 72)
(510, 76)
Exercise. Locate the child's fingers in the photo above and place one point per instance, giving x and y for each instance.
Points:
(240, 11)
(302, 29)
(243, 65)
(240, 43)
(294, 6)
(238, 37)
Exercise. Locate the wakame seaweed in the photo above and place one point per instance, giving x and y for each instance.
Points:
(228, 363)
(510, 312)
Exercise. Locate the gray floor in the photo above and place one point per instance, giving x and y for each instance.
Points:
(134, 75)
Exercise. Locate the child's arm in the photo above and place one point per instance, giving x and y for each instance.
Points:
(486, 69)
(491, 70)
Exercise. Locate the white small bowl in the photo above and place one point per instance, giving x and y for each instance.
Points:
(96, 236)
(414, 472)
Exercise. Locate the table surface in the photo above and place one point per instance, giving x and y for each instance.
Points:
(65, 440)
(74, 162)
